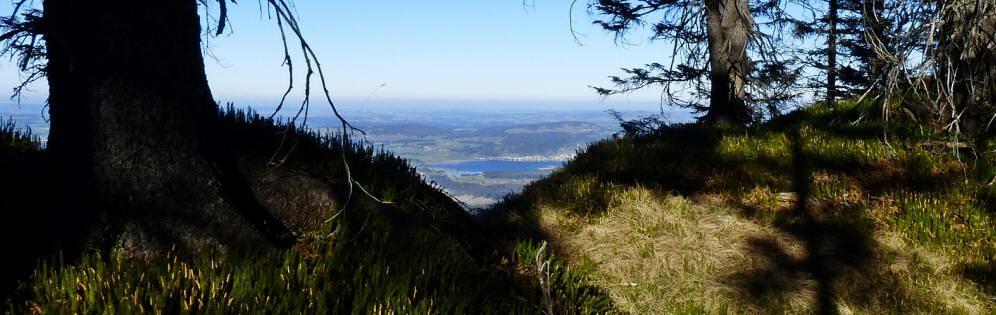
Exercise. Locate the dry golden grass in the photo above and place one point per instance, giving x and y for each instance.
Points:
(660, 253)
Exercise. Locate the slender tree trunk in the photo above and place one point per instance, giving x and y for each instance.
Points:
(729, 23)
(832, 52)
(141, 161)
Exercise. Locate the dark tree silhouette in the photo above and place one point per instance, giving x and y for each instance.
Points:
(825, 56)
(831, 20)
(847, 61)
(140, 160)
(858, 20)
(713, 41)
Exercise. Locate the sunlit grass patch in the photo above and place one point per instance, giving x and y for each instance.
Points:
(662, 256)
(850, 212)
(667, 254)
(964, 226)
(581, 194)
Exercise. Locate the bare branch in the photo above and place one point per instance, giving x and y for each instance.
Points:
(21, 39)
(286, 20)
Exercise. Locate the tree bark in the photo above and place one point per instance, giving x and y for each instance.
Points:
(728, 23)
(142, 163)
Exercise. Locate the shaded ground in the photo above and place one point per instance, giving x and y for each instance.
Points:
(384, 242)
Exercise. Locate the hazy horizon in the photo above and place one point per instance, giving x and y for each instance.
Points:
(350, 107)
(446, 52)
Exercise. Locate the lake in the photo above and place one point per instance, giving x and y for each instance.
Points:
(478, 167)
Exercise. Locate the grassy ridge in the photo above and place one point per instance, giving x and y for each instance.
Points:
(808, 212)
(415, 252)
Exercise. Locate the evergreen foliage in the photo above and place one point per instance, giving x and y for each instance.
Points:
(766, 75)
(856, 64)
(861, 67)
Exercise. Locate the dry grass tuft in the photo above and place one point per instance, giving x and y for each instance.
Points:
(666, 254)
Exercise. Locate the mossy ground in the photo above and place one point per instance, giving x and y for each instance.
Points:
(813, 211)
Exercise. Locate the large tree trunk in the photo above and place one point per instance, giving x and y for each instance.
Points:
(728, 23)
(140, 158)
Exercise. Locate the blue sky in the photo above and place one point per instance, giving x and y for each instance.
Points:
(433, 53)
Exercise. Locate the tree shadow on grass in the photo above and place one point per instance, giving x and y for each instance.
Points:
(830, 246)
(830, 254)
(839, 263)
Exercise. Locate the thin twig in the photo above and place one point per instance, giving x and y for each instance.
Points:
(543, 275)
(286, 20)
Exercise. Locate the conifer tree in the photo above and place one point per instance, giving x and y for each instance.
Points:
(719, 48)
(858, 20)
(846, 63)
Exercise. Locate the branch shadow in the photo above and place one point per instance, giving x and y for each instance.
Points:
(830, 247)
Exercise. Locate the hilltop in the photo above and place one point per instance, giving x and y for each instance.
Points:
(813, 211)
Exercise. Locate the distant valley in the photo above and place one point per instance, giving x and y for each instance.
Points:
(508, 149)
(504, 155)
(528, 142)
